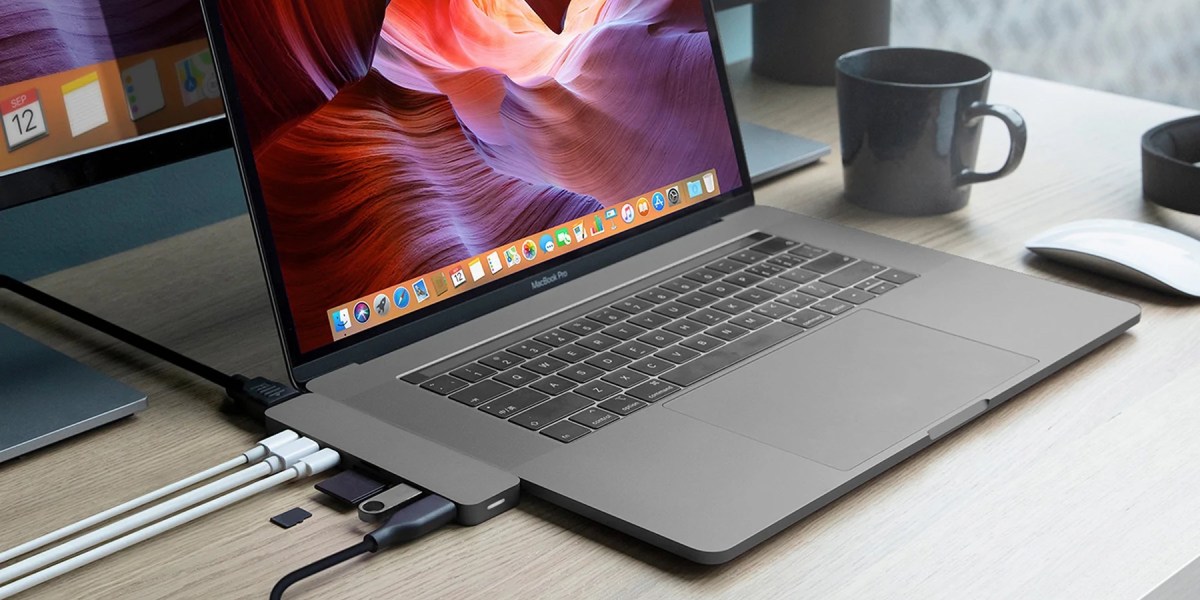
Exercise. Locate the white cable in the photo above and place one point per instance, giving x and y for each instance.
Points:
(283, 458)
(253, 455)
(316, 463)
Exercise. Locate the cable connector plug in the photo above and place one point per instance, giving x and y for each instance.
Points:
(409, 523)
(413, 521)
(253, 396)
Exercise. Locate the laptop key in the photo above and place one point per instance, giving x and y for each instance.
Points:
(779, 286)
(608, 316)
(581, 373)
(774, 310)
(807, 251)
(882, 287)
(733, 352)
(819, 289)
(807, 318)
(774, 245)
(705, 276)
(660, 338)
(553, 385)
(622, 405)
(513, 402)
(624, 331)
(754, 295)
(582, 327)
(597, 389)
(633, 305)
(854, 274)
(750, 321)
(444, 384)
(744, 279)
(829, 263)
(681, 285)
(727, 332)
(650, 320)
(625, 378)
(551, 410)
(684, 327)
(726, 266)
(800, 275)
(897, 277)
(530, 349)
(473, 372)
(765, 270)
(653, 365)
(545, 365)
(697, 299)
(720, 289)
(517, 377)
(673, 309)
(708, 317)
(480, 392)
(854, 296)
(733, 306)
(556, 337)
(566, 431)
(703, 343)
(675, 354)
(594, 418)
(415, 378)
(657, 295)
(833, 307)
(748, 256)
(634, 349)
(598, 342)
(796, 300)
(608, 361)
(653, 390)
(501, 360)
(572, 353)
(786, 261)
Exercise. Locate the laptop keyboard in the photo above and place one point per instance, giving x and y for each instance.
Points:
(593, 370)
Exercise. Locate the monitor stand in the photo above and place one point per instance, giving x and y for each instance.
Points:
(46, 397)
(771, 153)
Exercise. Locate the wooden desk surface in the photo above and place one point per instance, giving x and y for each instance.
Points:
(1083, 487)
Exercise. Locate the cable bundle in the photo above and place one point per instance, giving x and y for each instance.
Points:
(279, 458)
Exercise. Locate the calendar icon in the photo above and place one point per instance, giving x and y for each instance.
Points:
(23, 119)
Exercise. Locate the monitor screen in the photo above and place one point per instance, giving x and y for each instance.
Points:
(412, 152)
(81, 75)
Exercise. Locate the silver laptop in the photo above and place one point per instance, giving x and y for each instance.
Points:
(513, 248)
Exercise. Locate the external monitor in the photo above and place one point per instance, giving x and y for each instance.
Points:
(90, 91)
(94, 90)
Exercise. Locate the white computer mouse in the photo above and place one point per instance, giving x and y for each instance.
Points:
(1139, 253)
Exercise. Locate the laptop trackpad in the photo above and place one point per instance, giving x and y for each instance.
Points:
(852, 389)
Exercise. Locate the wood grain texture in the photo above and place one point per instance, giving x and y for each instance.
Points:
(1083, 487)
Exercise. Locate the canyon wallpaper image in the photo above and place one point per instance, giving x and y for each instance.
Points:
(392, 139)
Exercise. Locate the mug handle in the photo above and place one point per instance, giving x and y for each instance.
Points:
(1017, 134)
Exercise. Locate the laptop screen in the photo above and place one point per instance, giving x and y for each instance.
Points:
(415, 151)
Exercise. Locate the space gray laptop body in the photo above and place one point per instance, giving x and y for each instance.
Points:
(814, 358)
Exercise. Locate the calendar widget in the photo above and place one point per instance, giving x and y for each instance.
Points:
(24, 121)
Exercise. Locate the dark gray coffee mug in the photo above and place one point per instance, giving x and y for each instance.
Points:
(910, 122)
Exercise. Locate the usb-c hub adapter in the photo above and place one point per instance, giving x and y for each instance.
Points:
(479, 491)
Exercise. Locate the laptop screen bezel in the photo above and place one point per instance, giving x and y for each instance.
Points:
(304, 366)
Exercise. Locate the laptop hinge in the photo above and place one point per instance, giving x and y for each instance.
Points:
(958, 419)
